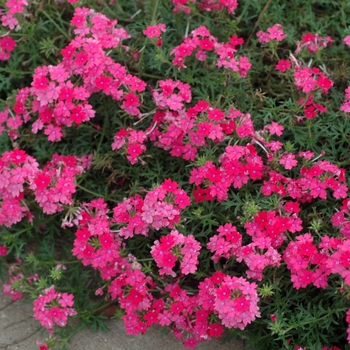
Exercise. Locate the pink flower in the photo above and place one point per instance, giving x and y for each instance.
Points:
(283, 65)
(175, 247)
(3, 250)
(54, 133)
(313, 42)
(155, 30)
(9, 290)
(348, 321)
(275, 128)
(288, 160)
(46, 311)
(346, 40)
(273, 33)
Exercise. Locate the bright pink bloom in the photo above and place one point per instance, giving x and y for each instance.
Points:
(283, 65)
(48, 313)
(273, 33)
(346, 40)
(154, 31)
(3, 250)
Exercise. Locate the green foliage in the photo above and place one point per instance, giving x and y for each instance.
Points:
(311, 317)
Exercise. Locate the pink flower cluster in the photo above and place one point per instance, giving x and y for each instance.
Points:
(312, 183)
(201, 41)
(311, 80)
(233, 299)
(16, 285)
(187, 319)
(102, 240)
(345, 107)
(52, 308)
(312, 264)
(267, 230)
(132, 141)
(13, 292)
(3, 250)
(98, 245)
(346, 40)
(160, 208)
(131, 289)
(183, 132)
(13, 7)
(17, 170)
(307, 79)
(7, 45)
(52, 186)
(239, 164)
(341, 219)
(56, 100)
(273, 33)
(226, 244)
(348, 321)
(176, 247)
(338, 253)
(171, 95)
(129, 212)
(312, 42)
(95, 243)
(283, 65)
(191, 317)
(306, 264)
(205, 5)
(155, 31)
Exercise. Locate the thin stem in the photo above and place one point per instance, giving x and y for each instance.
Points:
(154, 12)
(304, 323)
(10, 71)
(101, 139)
(61, 262)
(187, 29)
(95, 193)
(257, 142)
(19, 232)
(144, 116)
(153, 127)
(135, 14)
(151, 75)
(257, 22)
(56, 25)
(108, 8)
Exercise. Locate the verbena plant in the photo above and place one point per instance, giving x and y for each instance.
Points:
(181, 163)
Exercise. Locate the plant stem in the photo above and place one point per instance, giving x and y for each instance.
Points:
(56, 25)
(257, 22)
(154, 12)
(151, 76)
(19, 232)
(96, 194)
(304, 323)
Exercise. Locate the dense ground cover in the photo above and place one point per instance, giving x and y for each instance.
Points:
(183, 163)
